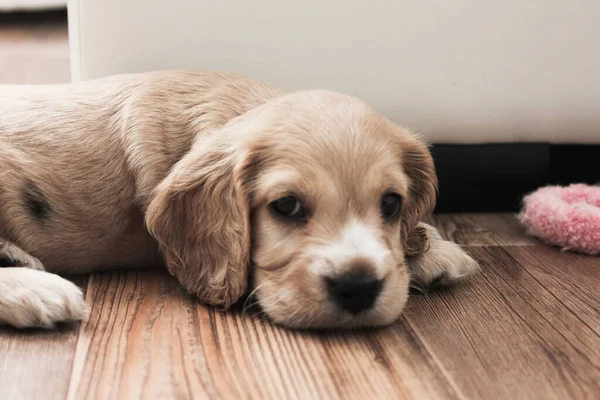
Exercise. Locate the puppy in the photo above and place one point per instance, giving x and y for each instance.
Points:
(211, 174)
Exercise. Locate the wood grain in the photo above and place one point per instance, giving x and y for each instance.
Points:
(508, 333)
(482, 229)
(572, 285)
(36, 364)
(524, 328)
(147, 339)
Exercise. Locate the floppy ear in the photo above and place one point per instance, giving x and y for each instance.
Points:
(418, 165)
(199, 216)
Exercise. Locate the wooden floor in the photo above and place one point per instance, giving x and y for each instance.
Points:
(526, 327)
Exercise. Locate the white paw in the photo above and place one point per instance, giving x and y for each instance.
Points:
(34, 263)
(458, 264)
(31, 298)
(444, 263)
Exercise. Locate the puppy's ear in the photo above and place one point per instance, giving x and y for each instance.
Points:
(199, 216)
(418, 165)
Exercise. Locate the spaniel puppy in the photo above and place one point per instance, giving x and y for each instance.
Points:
(213, 175)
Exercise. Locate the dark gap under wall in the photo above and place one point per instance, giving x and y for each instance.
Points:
(575, 163)
(495, 177)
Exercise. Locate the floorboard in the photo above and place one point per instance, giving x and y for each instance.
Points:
(505, 333)
(482, 229)
(147, 339)
(36, 364)
(516, 331)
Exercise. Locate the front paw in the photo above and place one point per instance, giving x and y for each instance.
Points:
(33, 263)
(444, 263)
(458, 265)
(30, 298)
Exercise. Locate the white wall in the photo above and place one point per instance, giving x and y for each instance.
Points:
(461, 70)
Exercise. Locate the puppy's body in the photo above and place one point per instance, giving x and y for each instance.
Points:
(78, 163)
(180, 168)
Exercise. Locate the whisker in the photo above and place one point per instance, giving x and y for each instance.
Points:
(263, 301)
(252, 294)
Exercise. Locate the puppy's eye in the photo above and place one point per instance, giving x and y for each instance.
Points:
(391, 206)
(289, 207)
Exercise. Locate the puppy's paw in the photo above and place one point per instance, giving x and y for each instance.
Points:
(454, 264)
(444, 263)
(31, 298)
(33, 263)
(12, 256)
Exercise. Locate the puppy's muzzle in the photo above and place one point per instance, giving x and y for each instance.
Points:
(354, 291)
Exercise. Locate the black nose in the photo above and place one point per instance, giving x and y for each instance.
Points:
(354, 292)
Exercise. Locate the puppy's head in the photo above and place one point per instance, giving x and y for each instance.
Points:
(318, 193)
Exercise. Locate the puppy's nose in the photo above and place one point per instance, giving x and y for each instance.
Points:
(354, 292)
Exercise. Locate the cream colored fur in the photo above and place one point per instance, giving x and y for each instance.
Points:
(444, 262)
(143, 170)
(33, 298)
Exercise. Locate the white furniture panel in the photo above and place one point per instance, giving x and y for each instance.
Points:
(458, 71)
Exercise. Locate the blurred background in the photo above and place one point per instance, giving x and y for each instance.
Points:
(34, 46)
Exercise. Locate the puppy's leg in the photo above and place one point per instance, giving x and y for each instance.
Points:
(443, 263)
(12, 256)
(32, 298)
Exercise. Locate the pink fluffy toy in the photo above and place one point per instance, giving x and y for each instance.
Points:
(568, 217)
